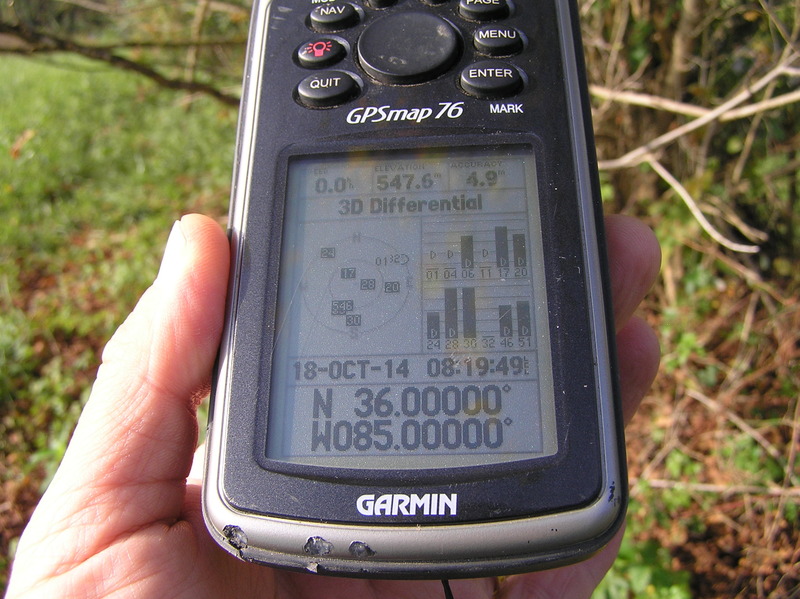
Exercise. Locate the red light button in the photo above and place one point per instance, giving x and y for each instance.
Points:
(320, 52)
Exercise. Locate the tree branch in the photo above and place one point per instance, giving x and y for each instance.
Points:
(692, 110)
(695, 210)
(647, 101)
(197, 32)
(36, 41)
(90, 5)
(643, 153)
(723, 490)
(169, 44)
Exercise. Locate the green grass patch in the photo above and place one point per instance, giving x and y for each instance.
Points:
(95, 165)
(643, 571)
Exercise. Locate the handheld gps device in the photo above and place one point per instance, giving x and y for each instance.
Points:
(416, 377)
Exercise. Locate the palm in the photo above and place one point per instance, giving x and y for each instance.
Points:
(120, 518)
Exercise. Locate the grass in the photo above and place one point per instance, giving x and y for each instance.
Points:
(713, 452)
(95, 165)
(643, 570)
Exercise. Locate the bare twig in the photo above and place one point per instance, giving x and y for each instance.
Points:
(721, 209)
(671, 437)
(642, 153)
(683, 42)
(197, 31)
(763, 106)
(695, 210)
(167, 44)
(737, 421)
(724, 490)
(744, 358)
(752, 277)
(89, 5)
(750, 138)
(789, 38)
(618, 40)
(41, 42)
(789, 477)
(116, 10)
(647, 101)
(691, 110)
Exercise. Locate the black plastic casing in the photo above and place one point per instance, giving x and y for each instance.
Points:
(512, 517)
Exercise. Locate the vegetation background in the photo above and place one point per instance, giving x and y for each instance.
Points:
(118, 116)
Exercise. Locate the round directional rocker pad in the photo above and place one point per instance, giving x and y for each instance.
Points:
(406, 48)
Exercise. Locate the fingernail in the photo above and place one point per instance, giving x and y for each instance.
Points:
(173, 253)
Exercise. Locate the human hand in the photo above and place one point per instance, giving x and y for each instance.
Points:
(122, 517)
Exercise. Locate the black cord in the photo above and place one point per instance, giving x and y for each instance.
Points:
(448, 594)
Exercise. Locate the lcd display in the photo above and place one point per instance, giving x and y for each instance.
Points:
(411, 327)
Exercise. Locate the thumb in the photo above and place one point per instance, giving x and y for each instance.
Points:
(131, 451)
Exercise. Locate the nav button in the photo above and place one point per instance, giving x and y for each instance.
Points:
(491, 79)
(334, 16)
(327, 88)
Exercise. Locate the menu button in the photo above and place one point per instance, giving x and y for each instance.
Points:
(498, 40)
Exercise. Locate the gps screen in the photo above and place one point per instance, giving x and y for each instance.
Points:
(411, 328)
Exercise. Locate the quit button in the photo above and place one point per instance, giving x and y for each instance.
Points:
(491, 79)
(327, 88)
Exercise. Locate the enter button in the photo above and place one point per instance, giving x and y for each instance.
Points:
(491, 79)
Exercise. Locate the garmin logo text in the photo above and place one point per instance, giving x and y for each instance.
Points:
(399, 504)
